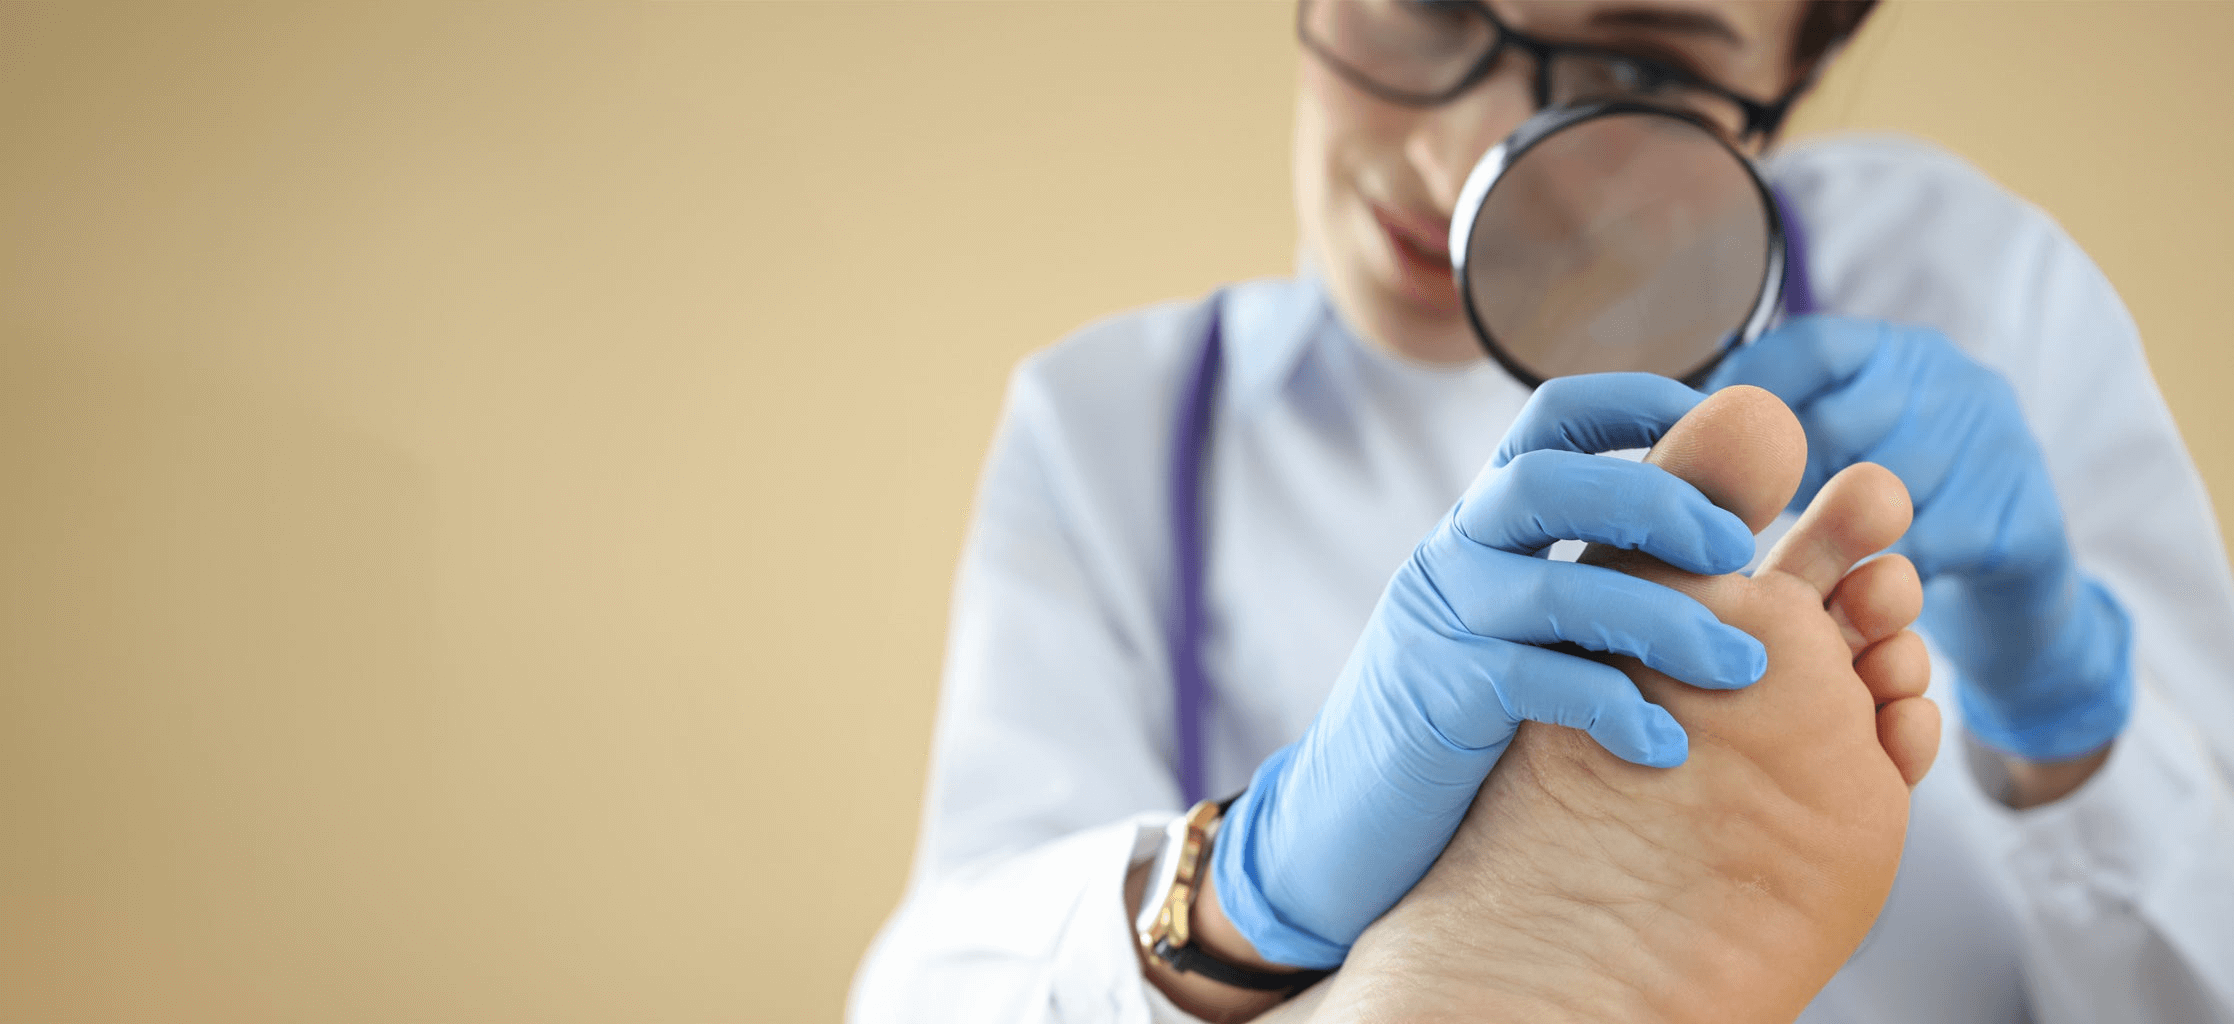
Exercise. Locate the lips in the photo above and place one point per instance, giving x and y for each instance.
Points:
(1423, 256)
(1429, 236)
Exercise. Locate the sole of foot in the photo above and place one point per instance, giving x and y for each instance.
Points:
(1730, 888)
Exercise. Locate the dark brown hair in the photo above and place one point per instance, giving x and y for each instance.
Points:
(1826, 24)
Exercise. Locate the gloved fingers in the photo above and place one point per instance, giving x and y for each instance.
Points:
(1803, 358)
(1994, 510)
(1534, 601)
(1548, 496)
(1598, 412)
(1991, 523)
(1563, 689)
(1895, 423)
(1921, 407)
(2033, 541)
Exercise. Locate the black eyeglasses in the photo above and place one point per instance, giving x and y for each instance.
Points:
(1424, 53)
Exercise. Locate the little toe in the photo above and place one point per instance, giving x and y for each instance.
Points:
(1895, 668)
(1860, 512)
(1909, 731)
(1879, 598)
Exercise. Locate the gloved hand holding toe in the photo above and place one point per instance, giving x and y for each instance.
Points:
(2043, 652)
(1337, 826)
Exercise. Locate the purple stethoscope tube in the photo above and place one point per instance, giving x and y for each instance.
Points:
(1190, 445)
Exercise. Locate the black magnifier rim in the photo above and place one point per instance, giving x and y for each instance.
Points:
(1551, 122)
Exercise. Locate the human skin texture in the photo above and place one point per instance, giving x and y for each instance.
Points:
(1375, 182)
(1731, 888)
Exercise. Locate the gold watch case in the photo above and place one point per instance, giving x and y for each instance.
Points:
(1175, 880)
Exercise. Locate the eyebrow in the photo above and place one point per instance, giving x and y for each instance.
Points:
(1676, 20)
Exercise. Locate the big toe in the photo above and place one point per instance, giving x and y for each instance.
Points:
(1742, 448)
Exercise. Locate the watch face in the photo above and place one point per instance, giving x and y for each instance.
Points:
(1161, 875)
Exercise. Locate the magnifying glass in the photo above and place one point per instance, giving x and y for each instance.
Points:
(1616, 236)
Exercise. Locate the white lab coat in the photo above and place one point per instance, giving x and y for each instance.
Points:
(1053, 762)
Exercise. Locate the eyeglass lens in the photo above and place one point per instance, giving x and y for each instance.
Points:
(1422, 50)
(1422, 47)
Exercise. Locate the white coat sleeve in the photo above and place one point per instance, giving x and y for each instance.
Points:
(2129, 883)
(2124, 890)
(1050, 766)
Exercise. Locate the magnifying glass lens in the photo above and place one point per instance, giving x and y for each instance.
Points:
(1621, 240)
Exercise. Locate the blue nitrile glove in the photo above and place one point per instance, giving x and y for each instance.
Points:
(2043, 654)
(1339, 825)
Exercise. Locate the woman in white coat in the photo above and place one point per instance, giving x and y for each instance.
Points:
(1123, 645)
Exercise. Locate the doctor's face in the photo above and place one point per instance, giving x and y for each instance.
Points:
(1375, 181)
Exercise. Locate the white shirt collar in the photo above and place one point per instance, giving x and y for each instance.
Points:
(1267, 326)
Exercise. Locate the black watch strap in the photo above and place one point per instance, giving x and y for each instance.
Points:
(1193, 959)
(1162, 925)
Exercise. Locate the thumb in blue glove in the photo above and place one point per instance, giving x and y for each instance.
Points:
(1338, 826)
(2043, 653)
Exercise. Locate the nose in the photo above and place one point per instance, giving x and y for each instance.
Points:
(1446, 143)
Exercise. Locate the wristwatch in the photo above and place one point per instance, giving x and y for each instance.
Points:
(1167, 909)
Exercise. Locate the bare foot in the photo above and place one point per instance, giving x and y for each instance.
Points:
(1730, 889)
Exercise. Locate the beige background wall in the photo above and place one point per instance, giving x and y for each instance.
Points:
(481, 481)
